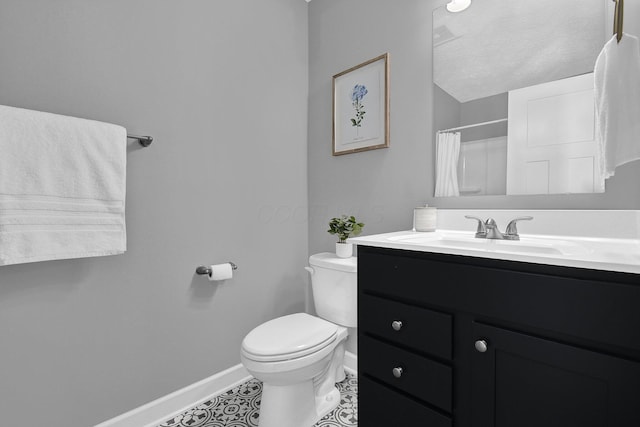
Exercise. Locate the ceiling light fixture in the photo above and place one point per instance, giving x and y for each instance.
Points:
(458, 5)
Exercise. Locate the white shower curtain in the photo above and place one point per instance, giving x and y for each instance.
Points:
(447, 153)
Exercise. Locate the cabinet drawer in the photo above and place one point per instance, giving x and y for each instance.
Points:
(421, 377)
(380, 406)
(421, 329)
(394, 275)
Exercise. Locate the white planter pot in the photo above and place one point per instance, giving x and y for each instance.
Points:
(344, 250)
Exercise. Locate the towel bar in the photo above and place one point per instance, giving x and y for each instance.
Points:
(145, 141)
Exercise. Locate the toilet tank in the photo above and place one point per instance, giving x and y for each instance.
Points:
(334, 282)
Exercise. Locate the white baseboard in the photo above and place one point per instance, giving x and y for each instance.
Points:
(164, 408)
(351, 363)
(154, 413)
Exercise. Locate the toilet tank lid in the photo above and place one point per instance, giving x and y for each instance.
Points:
(331, 260)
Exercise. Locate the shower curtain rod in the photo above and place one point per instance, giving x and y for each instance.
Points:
(472, 126)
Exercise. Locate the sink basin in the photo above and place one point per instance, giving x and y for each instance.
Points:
(467, 241)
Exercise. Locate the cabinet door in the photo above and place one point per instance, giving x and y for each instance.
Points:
(525, 381)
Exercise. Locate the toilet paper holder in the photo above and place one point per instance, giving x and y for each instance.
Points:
(206, 271)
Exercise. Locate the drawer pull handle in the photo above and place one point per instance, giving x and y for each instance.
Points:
(481, 346)
(397, 372)
(396, 325)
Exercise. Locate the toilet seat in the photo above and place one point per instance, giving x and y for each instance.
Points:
(288, 337)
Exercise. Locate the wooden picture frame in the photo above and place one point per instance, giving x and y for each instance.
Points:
(361, 107)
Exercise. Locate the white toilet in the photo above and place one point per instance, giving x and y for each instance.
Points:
(299, 357)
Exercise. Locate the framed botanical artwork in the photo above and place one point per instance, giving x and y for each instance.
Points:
(361, 107)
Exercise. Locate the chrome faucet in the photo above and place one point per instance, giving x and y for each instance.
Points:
(489, 229)
(492, 230)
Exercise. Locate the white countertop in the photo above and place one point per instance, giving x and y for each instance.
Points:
(595, 239)
(621, 255)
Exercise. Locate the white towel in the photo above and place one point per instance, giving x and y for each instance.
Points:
(617, 96)
(62, 187)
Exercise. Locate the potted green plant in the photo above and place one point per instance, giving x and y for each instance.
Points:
(345, 227)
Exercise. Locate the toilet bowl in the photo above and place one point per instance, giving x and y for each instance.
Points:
(300, 357)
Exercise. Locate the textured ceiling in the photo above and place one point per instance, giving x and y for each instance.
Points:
(499, 45)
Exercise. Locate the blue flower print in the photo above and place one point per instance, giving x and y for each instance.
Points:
(357, 94)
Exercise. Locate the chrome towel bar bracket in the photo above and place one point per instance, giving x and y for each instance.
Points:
(206, 271)
(145, 141)
(618, 18)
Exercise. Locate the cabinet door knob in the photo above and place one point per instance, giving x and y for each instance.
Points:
(481, 346)
(396, 325)
(397, 372)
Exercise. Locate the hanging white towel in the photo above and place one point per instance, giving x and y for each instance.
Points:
(617, 96)
(447, 153)
(62, 187)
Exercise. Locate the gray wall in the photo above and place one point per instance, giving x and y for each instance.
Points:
(222, 86)
(446, 111)
(383, 186)
(494, 107)
(449, 113)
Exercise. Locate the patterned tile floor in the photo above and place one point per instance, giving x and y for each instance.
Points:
(240, 407)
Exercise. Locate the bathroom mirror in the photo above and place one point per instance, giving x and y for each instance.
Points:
(513, 96)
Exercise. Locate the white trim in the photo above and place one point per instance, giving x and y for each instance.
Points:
(160, 410)
(351, 363)
(154, 413)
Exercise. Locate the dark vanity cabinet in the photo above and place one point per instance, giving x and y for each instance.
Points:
(447, 340)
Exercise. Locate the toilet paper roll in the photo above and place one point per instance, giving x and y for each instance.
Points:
(424, 218)
(221, 272)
